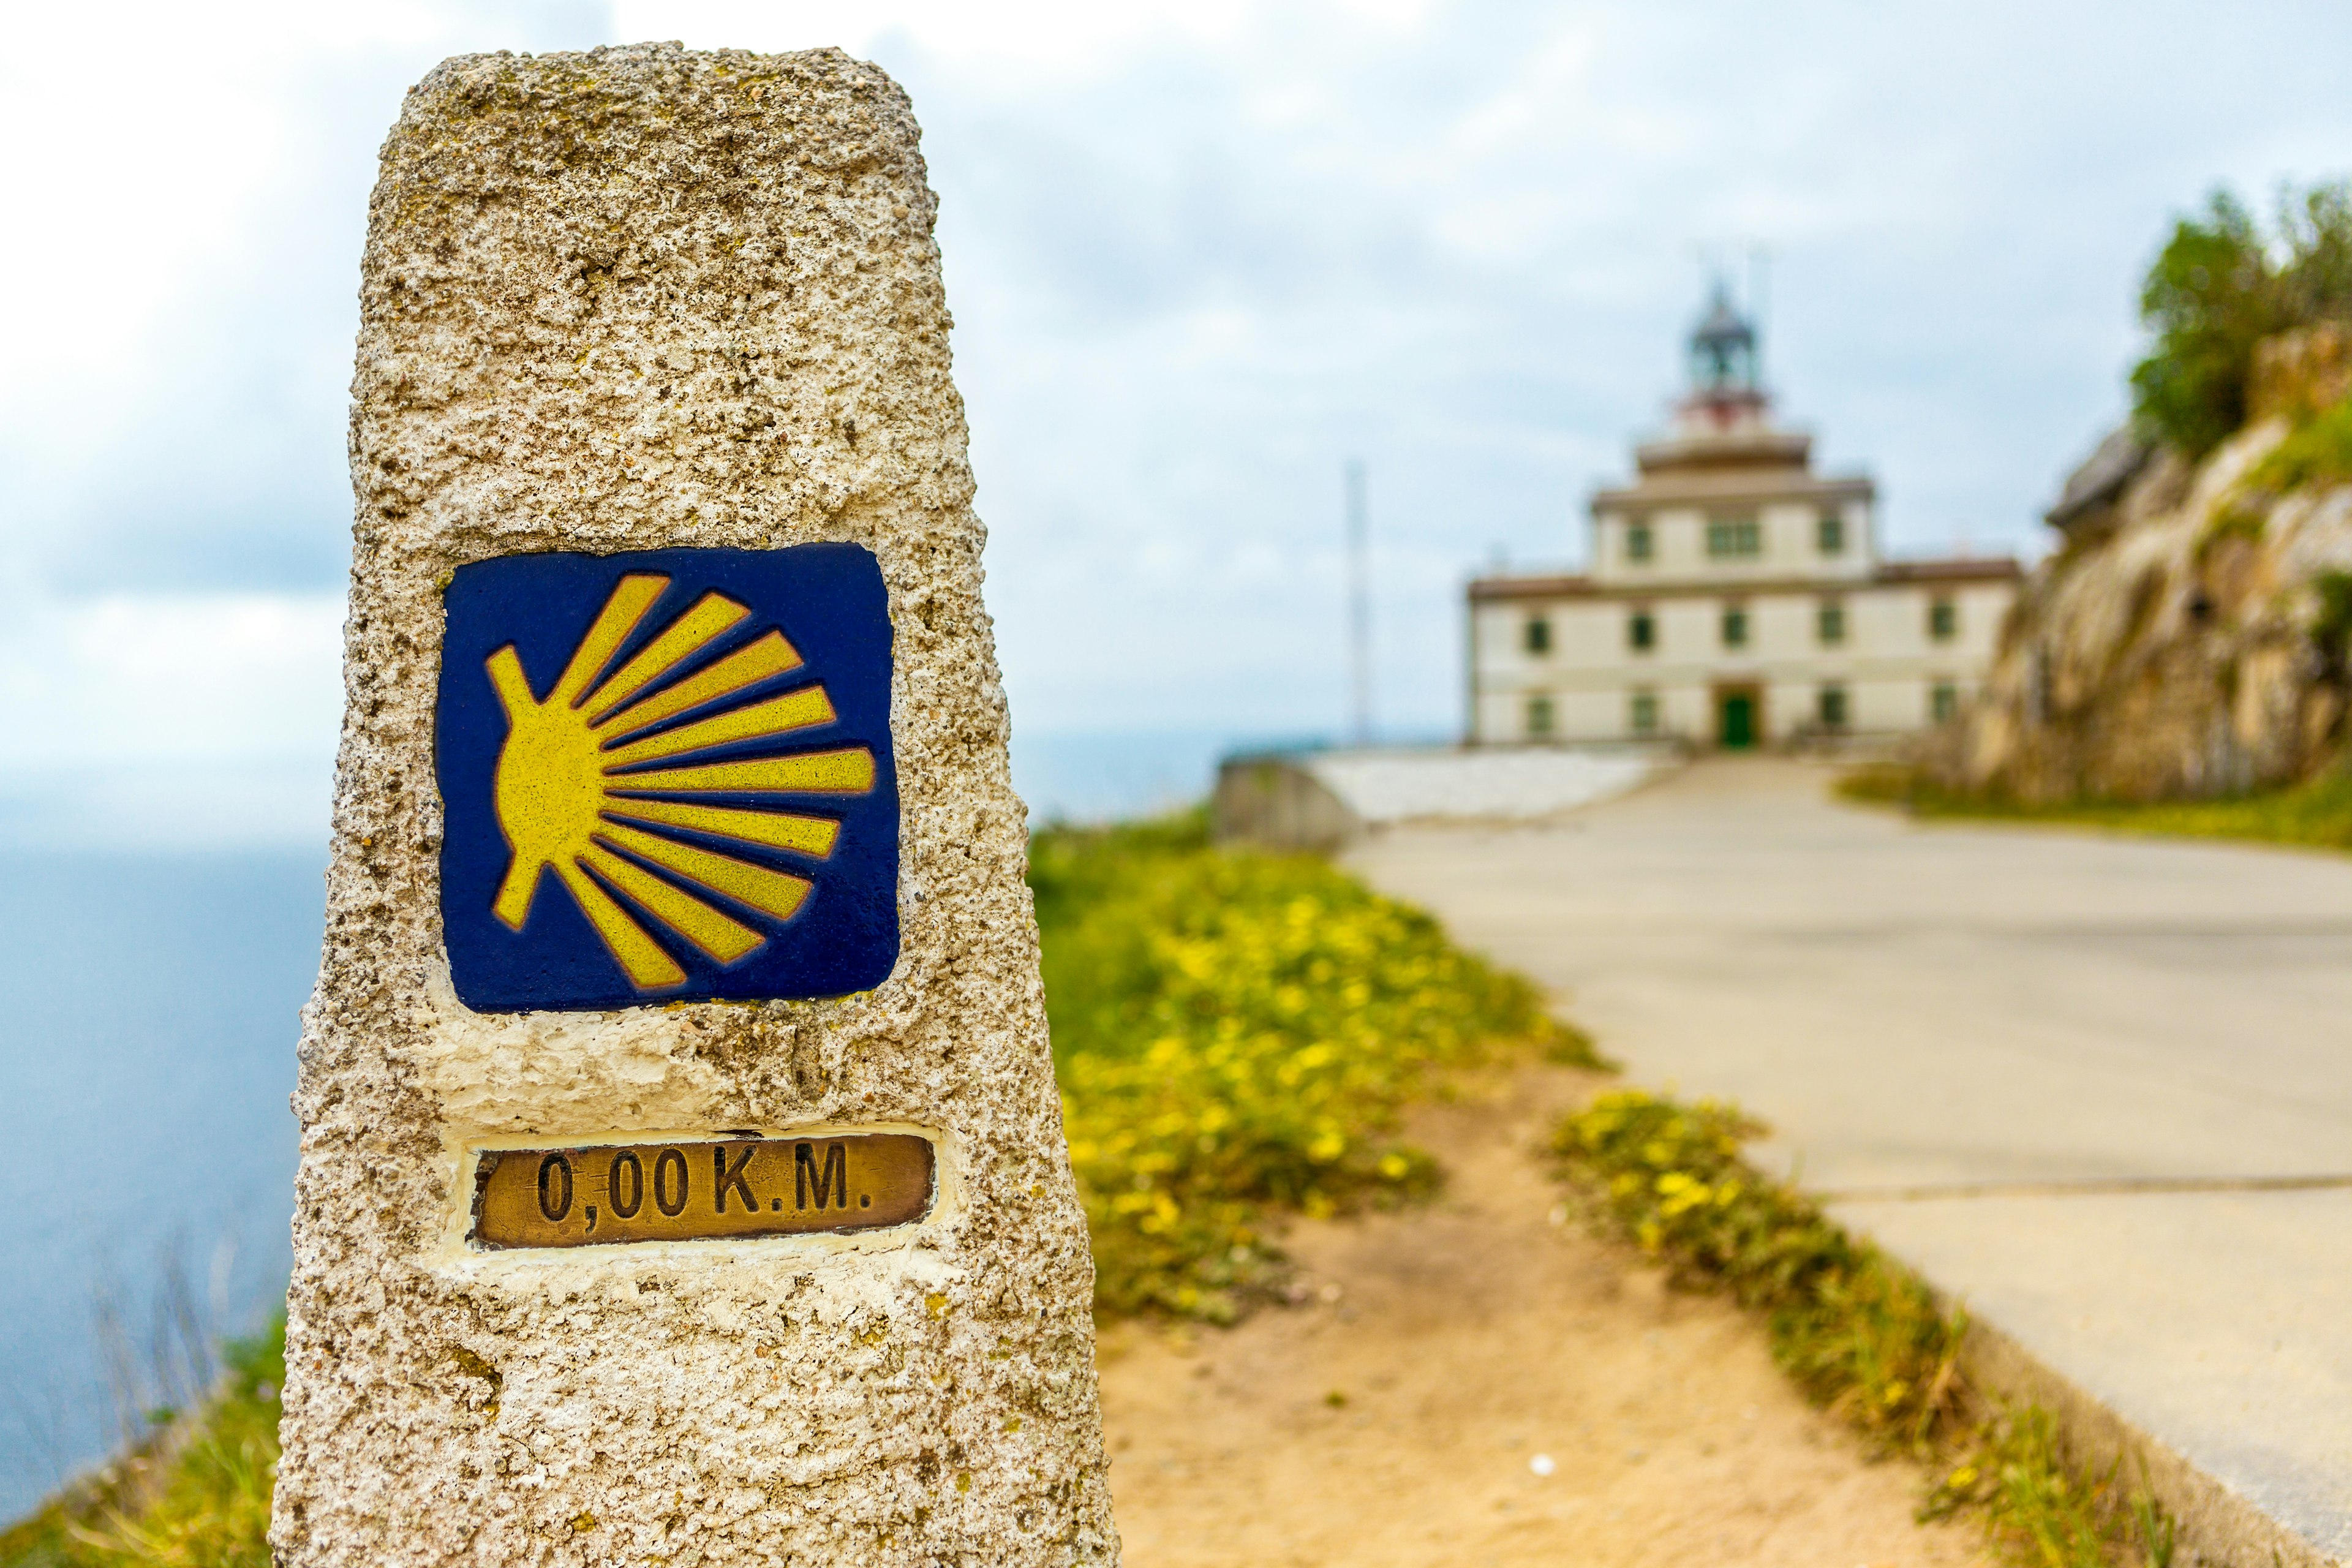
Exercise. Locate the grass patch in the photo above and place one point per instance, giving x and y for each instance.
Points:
(2239, 519)
(2317, 452)
(2041, 1511)
(1856, 1332)
(199, 1498)
(1235, 1034)
(2314, 813)
(1861, 1334)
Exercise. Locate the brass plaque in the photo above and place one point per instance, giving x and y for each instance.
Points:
(722, 1189)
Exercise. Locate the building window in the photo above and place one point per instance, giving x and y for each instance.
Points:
(1829, 532)
(1637, 542)
(1539, 716)
(1734, 538)
(1644, 712)
(1734, 626)
(1943, 620)
(1830, 621)
(1943, 700)
(1539, 635)
(1832, 706)
(1642, 631)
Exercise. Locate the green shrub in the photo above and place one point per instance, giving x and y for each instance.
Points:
(1235, 1034)
(2218, 288)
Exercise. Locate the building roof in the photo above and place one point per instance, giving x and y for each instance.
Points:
(1952, 568)
(1698, 485)
(1888, 574)
(1559, 587)
(1742, 445)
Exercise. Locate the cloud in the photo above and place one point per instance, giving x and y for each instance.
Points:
(169, 720)
(1461, 243)
(169, 678)
(190, 212)
(190, 197)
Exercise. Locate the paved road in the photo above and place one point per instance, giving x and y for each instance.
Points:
(1974, 1023)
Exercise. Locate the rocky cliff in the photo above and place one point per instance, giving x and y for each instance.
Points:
(2187, 638)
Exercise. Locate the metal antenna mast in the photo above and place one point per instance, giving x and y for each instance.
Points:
(1359, 601)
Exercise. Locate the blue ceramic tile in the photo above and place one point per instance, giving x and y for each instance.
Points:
(666, 776)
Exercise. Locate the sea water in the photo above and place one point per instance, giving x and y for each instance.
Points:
(149, 1009)
(1087, 776)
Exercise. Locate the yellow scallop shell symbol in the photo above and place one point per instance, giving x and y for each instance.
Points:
(577, 792)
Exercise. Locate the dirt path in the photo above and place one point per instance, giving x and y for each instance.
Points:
(1454, 1355)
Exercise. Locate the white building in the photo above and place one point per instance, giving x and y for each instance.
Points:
(1735, 597)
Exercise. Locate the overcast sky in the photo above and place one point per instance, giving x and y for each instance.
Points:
(1199, 254)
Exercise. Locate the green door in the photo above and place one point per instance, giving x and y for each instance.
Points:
(1738, 732)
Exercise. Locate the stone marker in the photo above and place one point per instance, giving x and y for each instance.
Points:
(682, 1170)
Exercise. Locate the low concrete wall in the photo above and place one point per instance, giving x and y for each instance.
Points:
(1321, 801)
(1277, 804)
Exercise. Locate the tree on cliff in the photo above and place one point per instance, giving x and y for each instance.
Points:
(2219, 287)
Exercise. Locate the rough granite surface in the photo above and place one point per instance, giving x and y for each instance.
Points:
(638, 298)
